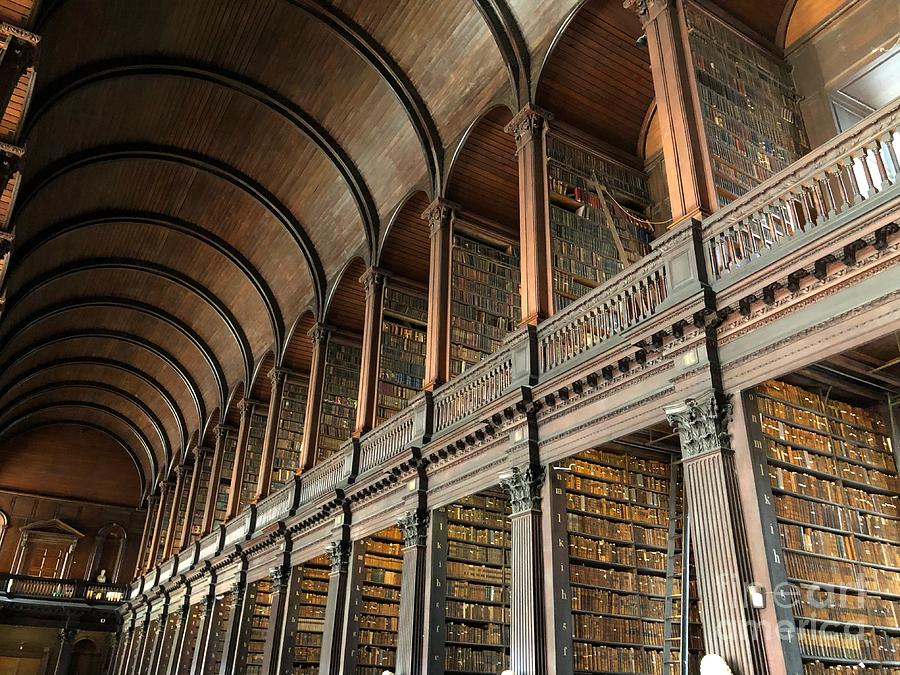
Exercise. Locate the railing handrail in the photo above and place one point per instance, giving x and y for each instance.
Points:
(69, 589)
(794, 175)
(389, 437)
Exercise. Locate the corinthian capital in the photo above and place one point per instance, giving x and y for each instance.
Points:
(523, 487)
(702, 423)
(526, 124)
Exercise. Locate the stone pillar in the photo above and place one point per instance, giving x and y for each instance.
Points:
(177, 496)
(367, 400)
(157, 535)
(64, 653)
(206, 629)
(437, 347)
(338, 553)
(277, 376)
(149, 521)
(527, 641)
(529, 127)
(412, 627)
(688, 170)
(719, 541)
(319, 335)
(274, 661)
(245, 408)
(191, 506)
(215, 475)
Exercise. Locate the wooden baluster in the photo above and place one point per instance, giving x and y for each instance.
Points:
(841, 176)
(829, 185)
(879, 164)
(888, 141)
(867, 172)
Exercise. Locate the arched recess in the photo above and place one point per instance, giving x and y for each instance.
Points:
(347, 302)
(596, 79)
(261, 384)
(405, 250)
(108, 554)
(86, 658)
(297, 353)
(484, 175)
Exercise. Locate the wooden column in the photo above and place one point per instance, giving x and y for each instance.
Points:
(353, 608)
(529, 127)
(527, 641)
(138, 631)
(437, 346)
(435, 602)
(156, 537)
(275, 660)
(149, 520)
(717, 531)
(177, 496)
(338, 553)
(319, 335)
(142, 646)
(411, 625)
(215, 474)
(367, 400)
(206, 629)
(557, 581)
(64, 654)
(688, 172)
(163, 633)
(232, 659)
(277, 376)
(179, 638)
(245, 408)
(191, 505)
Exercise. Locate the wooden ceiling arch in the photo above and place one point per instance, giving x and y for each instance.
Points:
(406, 248)
(347, 301)
(261, 383)
(297, 352)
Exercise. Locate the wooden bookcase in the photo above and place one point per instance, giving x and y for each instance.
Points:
(229, 446)
(309, 602)
(623, 521)
(177, 544)
(290, 432)
(470, 550)
(401, 365)
(376, 597)
(253, 455)
(748, 103)
(484, 302)
(259, 617)
(202, 491)
(219, 631)
(831, 495)
(149, 640)
(164, 524)
(340, 391)
(585, 254)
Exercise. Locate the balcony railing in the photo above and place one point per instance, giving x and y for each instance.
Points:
(839, 183)
(829, 185)
(21, 586)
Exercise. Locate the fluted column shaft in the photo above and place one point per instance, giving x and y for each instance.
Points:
(367, 400)
(266, 462)
(215, 475)
(414, 525)
(191, 506)
(245, 408)
(335, 615)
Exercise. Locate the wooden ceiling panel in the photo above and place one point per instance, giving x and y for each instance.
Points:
(140, 388)
(107, 321)
(135, 413)
(540, 21)
(485, 176)
(261, 390)
(165, 249)
(446, 49)
(16, 12)
(348, 303)
(596, 78)
(298, 351)
(406, 250)
(89, 417)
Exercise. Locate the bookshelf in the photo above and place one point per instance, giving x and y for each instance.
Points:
(380, 602)
(623, 521)
(833, 494)
(484, 302)
(202, 491)
(253, 455)
(219, 632)
(177, 544)
(149, 640)
(748, 103)
(476, 587)
(309, 607)
(585, 254)
(168, 639)
(229, 446)
(290, 432)
(258, 618)
(401, 362)
(164, 523)
(339, 393)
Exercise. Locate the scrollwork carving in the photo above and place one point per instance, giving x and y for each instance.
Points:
(414, 525)
(702, 423)
(523, 487)
(338, 553)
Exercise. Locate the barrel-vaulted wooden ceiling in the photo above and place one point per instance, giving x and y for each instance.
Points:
(199, 173)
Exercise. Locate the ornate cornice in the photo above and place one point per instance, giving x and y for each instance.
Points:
(702, 423)
(523, 487)
(414, 526)
(338, 553)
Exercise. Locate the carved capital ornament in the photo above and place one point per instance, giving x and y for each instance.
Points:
(438, 214)
(702, 423)
(338, 553)
(523, 487)
(414, 526)
(526, 124)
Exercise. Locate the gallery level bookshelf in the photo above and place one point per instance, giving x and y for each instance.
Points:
(401, 366)
(203, 486)
(256, 432)
(831, 496)
(289, 439)
(590, 196)
(308, 609)
(340, 391)
(484, 298)
(223, 488)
